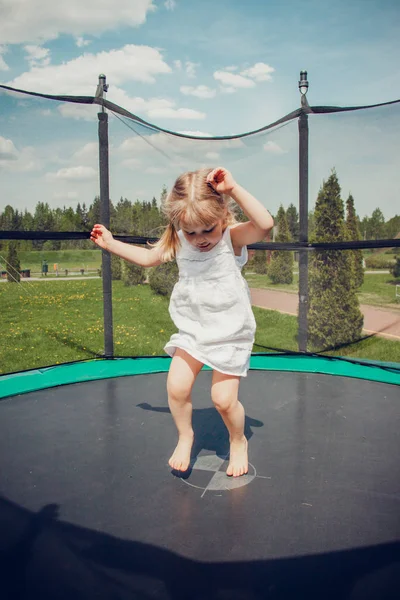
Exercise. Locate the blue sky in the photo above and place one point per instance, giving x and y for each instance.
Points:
(215, 67)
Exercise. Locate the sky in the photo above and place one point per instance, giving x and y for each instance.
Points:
(209, 68)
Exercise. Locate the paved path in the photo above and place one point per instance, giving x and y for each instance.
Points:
(381, 321)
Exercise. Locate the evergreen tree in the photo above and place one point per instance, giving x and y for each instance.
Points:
(353, 234)
(280, 269)
(260, 262)
(13, 265)
(292, 217)
(334, 316)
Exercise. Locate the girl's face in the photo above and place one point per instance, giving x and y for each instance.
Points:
(203, 238)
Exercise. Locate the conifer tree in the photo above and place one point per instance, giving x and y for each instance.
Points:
(280, 269)
(13, 265)
(334, 316)
(353, 234)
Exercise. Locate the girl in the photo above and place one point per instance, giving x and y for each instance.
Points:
(210, 304)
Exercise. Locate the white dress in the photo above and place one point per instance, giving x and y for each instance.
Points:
(210, 305)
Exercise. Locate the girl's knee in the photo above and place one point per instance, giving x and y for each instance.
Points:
(223, 399)
(178, 389)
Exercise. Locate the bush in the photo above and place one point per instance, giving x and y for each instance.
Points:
(133, 274)
(395, 270)
(163, 278)
(281, 268)
(116, 268)
(13, 264)
(378, 261)
(260, 262)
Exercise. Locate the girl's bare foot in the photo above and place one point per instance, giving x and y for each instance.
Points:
(238, 458)
(180, 460)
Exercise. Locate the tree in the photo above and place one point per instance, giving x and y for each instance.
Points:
(280, 269)
(292, 217)
(13, 264)
(133, 274)
(260, 262)
(334, 316)
(163, 278)
(353, 234)
(377, 224)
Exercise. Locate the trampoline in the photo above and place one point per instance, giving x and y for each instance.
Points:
(90, 508)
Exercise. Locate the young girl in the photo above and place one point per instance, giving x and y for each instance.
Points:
(210, 304)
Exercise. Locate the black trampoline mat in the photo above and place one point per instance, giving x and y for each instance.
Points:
(323, 480)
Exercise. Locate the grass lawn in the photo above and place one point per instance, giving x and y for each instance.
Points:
(66, 259)
(56, 322)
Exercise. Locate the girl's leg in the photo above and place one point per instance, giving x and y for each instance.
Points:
(181, 377)
(224, 394)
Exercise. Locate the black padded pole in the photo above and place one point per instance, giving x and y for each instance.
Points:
(105, 220)
(303, 217)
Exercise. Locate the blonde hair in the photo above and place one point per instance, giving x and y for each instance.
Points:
(192, 202)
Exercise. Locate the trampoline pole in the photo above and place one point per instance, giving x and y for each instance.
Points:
(303, 214)
(105, 220)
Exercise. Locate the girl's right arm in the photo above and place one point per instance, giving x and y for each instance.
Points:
(140, 256)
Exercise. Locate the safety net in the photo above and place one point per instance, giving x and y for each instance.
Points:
(326, 282)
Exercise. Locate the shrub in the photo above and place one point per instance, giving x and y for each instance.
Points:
(163, 278)
(378, 261)
(116, 268)
(133, 274)
(260, 262)
(395, 270)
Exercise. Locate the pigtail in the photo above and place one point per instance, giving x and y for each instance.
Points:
(168, 243)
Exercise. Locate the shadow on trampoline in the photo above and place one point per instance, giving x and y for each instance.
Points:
(42, 557)
(210, 432)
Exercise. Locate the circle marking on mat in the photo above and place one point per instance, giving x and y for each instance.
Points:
(219, 480)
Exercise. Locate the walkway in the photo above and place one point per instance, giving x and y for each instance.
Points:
(380, 321)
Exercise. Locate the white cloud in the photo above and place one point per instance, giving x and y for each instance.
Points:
(273, 148)
(201, 91)
(196, 133)
(178, 65)
(37, 56)
(232, 80)
(73, 173)
(15, 160)
(166, 110)
(228, 90)
(191, 69)
(231, 68)
(40, 20)
(7, 150)
(170, 4)
(87, 152)
(81, 42)
(80, 75)
(260, 72)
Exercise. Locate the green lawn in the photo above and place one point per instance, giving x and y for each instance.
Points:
(56, 322)
(66, 259)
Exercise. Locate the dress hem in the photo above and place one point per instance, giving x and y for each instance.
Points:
(171, 349)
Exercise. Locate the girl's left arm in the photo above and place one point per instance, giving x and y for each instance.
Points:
(260, 223)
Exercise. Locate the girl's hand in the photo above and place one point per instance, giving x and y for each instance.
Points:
(101, 236)
(221, 180)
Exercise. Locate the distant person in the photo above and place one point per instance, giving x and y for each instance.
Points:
(210, 304)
